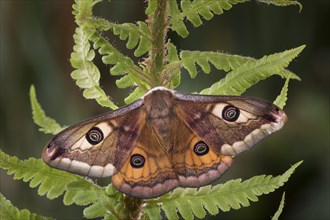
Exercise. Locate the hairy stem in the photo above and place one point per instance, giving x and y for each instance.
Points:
(133, 206)
(158, 26)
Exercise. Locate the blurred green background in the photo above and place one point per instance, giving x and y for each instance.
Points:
(36, 42)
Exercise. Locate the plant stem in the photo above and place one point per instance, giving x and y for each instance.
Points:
(133, 207)
(158, 27)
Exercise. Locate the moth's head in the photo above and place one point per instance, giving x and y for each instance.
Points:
(159, 101)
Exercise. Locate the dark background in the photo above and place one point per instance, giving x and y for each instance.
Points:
(36, 42)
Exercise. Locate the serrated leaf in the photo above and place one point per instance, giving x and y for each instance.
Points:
(152, 5)
(125, 82)
(280, 208)
(282, 3)
(238, 80)
(87, 75)
(280, 100)
(135, 95)
(47, 125)
(233, 194)
(192, 10)
(137, 35)
(8, 212)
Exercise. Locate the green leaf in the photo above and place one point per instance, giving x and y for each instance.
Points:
(135, 95)
(152, 5)
(238, 80)
(221, 61)
(136, 35)
(47, 125)
(281, 99)
(234, 194)
(282, 3)
(53, 183)
(173, 72)
(192, 10)
(9, 212)
(280, 208)
(87, 75)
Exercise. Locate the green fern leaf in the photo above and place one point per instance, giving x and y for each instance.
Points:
(281, 99)
(53, 183)
(87, 75)
(50, 181)
(47, 125)
(9, 212)
(238, 80)
(232, 195)
(152, 6)
(175, 73)
(192, 10)
(221, 61)
(136, 35)
(122, 65)
(135, 95)
(280, 208)
(282, 3)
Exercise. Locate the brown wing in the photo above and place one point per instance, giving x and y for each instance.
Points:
(96, 147)
(147, 171)
(230, 124)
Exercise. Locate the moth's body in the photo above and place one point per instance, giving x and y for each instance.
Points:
(164, 140)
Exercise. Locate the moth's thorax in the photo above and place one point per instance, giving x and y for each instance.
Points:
(159, 107)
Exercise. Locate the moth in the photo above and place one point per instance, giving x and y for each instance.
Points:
(164, 140)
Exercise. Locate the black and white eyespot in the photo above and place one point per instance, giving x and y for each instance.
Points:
(201, 148)
(137, 161)
(230, 113)
(94, 136)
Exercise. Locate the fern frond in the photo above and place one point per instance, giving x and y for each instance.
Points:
(280, 100)
(280, 208)
(47, 125)
(193, 10)
(137, 35)
(152, 5)
(8, 212)
(282, 3)
(122, 65)
(234, 194)
(135, 95)
(220, 61)
(174, 76)
(87, 75)
(53, 183)
(238, 80)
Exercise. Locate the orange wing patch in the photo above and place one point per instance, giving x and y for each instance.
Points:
(146, 173)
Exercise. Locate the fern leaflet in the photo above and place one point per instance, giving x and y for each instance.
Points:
(280, 208)
(238, 80)
(233, 194)
(135, 34)
(282, 3)
(221, 61)
(47, 125)
(53, 183)
(281, 99)
(87, 75)
(8, 211)
(192, 10)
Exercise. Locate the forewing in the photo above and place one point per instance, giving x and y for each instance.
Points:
(207, 117)
(96, 147)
